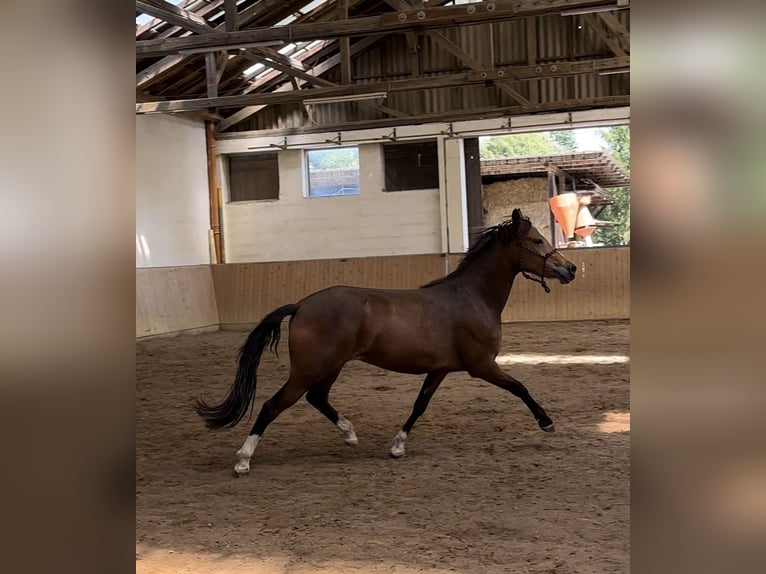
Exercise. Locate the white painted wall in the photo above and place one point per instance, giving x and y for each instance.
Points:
(172, 205)
(295, 227)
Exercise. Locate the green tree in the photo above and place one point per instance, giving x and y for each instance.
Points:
(564, 141)
(329, 159)
(618, 144)
(519, 145)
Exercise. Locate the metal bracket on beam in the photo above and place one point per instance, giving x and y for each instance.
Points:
(449, 132)
(281, 146)
(336, 140)
(427, 15)
(391, 136)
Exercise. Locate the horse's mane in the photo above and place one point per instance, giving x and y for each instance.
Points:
(508, 230)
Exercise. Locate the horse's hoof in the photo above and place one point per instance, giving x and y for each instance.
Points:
(400, 444)
(548, 428)
(396, 452)
(351, 441)
(239, 473)
(241, 468)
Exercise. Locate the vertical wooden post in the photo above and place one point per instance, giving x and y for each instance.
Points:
(212, 181)
(211, 76)
(551, 193)
(232, 23)
(345, 46)
(473, 189)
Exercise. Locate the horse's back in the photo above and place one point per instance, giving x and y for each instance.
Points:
(400, 330)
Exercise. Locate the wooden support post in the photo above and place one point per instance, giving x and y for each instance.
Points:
(345, 46)
(231, 15)
(214, 193)
(211, 75)
(534, 86)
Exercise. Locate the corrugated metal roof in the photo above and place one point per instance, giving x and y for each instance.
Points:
(556, 39)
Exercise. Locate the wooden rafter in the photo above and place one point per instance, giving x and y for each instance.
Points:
(172, 14)
(471, 62)
(145, 77)
(438, 17)
(616, 28)
(306, 77)
(604, 34)
(230, 7)
(318, 70)
(434, 82)
(460, 115)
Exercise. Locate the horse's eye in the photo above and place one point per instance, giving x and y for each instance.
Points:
(538, 241)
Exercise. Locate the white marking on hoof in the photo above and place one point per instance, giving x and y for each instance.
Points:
(244, 454)
(242, 467)
(345, 426)
(549, 428)
(400, 442)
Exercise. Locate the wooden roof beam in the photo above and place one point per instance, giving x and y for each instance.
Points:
(605, 35)
(172, 14)
(306, 77)
(454, 115)
(402, 21)
(471, 62)
(434, 82)
(617, 28)
(159, 69)
(318, 70)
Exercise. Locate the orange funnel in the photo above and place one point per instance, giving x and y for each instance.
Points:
(585, 222)
(564, 208)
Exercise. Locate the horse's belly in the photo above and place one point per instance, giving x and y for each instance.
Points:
(407, 357)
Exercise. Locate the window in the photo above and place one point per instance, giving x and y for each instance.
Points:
(333, 171)
(412, 165)
(253, 177)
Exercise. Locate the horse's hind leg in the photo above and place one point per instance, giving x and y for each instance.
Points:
(495, 375)
(432, 382)
(284, 398)
(318, 398)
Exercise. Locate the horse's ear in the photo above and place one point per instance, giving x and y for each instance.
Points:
(524, 226)
(521, 223)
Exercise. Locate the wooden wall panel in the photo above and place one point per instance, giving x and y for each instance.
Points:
(247, 291)
(171, 299)
(601, 290)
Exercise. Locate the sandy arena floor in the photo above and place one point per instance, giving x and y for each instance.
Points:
(480, 490)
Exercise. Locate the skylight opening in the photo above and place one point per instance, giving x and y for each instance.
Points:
(285, 21)
(314, 44)
(311, 5)
(287, 49)
(253, 70)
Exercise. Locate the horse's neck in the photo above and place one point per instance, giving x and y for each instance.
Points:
(493, 278)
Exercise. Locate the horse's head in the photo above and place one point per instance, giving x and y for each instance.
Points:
(537, 257)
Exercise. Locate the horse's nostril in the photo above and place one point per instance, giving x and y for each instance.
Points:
(572, 268)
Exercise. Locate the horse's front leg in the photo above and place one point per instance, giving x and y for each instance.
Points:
(495, 375)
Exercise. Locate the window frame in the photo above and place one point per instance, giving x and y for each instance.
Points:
(307, 172)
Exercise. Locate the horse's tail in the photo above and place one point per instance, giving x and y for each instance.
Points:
(242, 392)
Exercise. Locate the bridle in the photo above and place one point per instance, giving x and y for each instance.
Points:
(526, 275)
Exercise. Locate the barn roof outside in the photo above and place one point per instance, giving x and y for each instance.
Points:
(600, 167)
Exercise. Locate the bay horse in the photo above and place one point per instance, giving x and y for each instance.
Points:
(451, 324)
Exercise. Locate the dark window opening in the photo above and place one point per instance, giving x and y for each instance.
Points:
(412, 165)
(253, 177)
